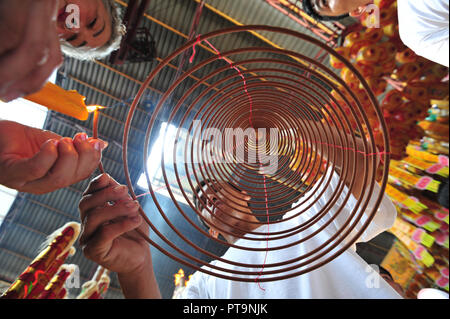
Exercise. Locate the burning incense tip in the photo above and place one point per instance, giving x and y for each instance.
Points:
(178, 277)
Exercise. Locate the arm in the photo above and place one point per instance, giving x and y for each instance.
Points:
(140, 284)
(38, 161)
(108, 237)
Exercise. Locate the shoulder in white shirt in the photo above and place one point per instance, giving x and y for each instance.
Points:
(424, 28)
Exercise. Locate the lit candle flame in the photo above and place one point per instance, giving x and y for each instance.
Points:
(187, 281)
(93, 108)
(178, 276)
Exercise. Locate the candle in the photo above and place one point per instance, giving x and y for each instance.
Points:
(95, 108)
(55, 98)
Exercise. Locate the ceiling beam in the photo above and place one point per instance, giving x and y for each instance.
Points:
(261, 37)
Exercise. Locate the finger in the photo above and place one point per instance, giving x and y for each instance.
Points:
(100, 182)
(88, 156)
(20, 62)
(101, 198)
(101, 215)
(240, 195)
(98, 144)
(100, 243)
(62, 172)
(40, 135)
(24, 171)
(233, 198)
(246, 196)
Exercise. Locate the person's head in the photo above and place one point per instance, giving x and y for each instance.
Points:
(97, 32)
(329, 10)
(224, 206)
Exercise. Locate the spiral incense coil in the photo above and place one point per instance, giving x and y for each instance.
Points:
(276, 95)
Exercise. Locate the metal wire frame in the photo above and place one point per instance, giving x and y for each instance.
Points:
(241, 101)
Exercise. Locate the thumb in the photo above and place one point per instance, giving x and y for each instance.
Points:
(100, 182)
(22, 171)
(247, 196)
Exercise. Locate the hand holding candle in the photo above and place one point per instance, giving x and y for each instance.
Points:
(38, 161)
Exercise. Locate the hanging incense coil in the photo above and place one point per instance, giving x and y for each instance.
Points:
(255, 89)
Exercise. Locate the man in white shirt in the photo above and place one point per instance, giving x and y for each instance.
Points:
(424, 28)
(348, 276)
(423, 24)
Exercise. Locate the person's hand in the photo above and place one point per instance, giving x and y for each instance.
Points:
(109, 217)
(29, 48)
(230, 214)
(37, 161)
(109, 220)
(230, 201)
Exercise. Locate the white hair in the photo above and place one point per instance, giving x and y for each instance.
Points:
(117, 32)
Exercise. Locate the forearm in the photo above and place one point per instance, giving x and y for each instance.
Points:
(140, 284)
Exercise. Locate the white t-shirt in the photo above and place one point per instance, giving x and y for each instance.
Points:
(347, 276)
(423, 26)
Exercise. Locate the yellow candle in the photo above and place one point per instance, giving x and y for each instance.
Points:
(55, 98)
